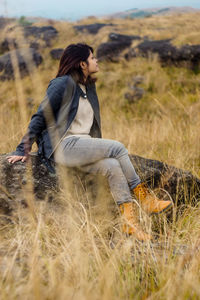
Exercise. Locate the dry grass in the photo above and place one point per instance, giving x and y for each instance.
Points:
(63, 250)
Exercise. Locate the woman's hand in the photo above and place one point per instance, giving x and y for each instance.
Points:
(14, 158)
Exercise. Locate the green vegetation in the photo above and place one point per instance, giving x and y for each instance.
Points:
(145, 14)
(23, 21)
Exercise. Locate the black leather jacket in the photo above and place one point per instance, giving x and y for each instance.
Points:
(55, 114)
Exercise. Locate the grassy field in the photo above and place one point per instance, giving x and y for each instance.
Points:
(69, 250)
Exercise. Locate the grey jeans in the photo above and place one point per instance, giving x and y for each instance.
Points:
(101, 156)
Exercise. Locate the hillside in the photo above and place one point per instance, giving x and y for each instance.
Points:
(148, 12)
(72, 248)
(169, 91)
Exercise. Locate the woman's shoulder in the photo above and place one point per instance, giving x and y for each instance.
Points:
(62, 81)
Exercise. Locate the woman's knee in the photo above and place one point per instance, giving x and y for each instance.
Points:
(119, 149)
(112, 163)
(110, 166)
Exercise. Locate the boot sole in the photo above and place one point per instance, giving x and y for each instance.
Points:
(164, 210)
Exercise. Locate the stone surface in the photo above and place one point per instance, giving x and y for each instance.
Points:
(164, 48)
(167, 53)
(135, 95)
(23, 57)
(35, 45)
(181, 185)
(91, 28)
(116, 37)
(46, 33)
(135, 92)
(6, 44)
(115, 45)
(56, 53)
(36, 37)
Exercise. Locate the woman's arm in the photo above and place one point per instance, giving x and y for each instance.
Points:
(46, 114)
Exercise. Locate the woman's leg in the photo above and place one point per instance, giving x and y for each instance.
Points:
(109, 158)
(75, 152)
(111, 168)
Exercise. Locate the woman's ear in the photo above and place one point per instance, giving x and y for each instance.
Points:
(83, 65)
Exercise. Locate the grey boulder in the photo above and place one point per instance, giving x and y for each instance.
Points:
(115, 45)
(91, 28)
(56, 53)
(179, 185)
(25, 58)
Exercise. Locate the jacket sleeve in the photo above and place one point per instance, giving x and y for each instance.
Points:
(36, 125)
(48, 108)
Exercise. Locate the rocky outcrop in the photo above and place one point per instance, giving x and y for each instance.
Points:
(14, 178)
(56, 53)
(187, 55)
(167, 53)
(35, 45)
(115, 45)
(116, 37)
(33, 36)
(25, 57)
(6, 45)
(45, 33)
(181, 185)
(164, 48)
(135, 92)
(91, 28)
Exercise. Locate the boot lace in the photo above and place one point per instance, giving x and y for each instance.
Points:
(131, 210)
(142, 190)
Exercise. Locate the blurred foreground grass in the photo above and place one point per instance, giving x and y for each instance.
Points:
(63, 250)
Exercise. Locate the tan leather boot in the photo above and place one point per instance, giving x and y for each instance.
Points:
(130, 224)
(150, 203)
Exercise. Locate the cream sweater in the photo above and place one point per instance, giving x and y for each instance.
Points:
(83, 121)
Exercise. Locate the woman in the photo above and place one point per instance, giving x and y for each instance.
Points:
(67, 130)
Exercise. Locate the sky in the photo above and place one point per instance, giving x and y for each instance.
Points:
(76, 9)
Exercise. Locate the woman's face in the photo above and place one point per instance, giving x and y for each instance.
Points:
(92, 64)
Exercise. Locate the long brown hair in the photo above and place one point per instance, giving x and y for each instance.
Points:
(70, 62)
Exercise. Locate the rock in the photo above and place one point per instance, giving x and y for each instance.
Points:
(91, 28)
(32, 35)
(137, 80)
(136, 92)
(167, 53)
(110, 49)
(46, 33)
(35, 45)
(7, 44)
(181, 185)
(14, 178)
(130, 54)
(116, 44)
(190, 54)
(56, 53)
(116, 37)
(164, 48)
(23, 55)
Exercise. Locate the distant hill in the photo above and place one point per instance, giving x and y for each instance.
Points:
(142, 13)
